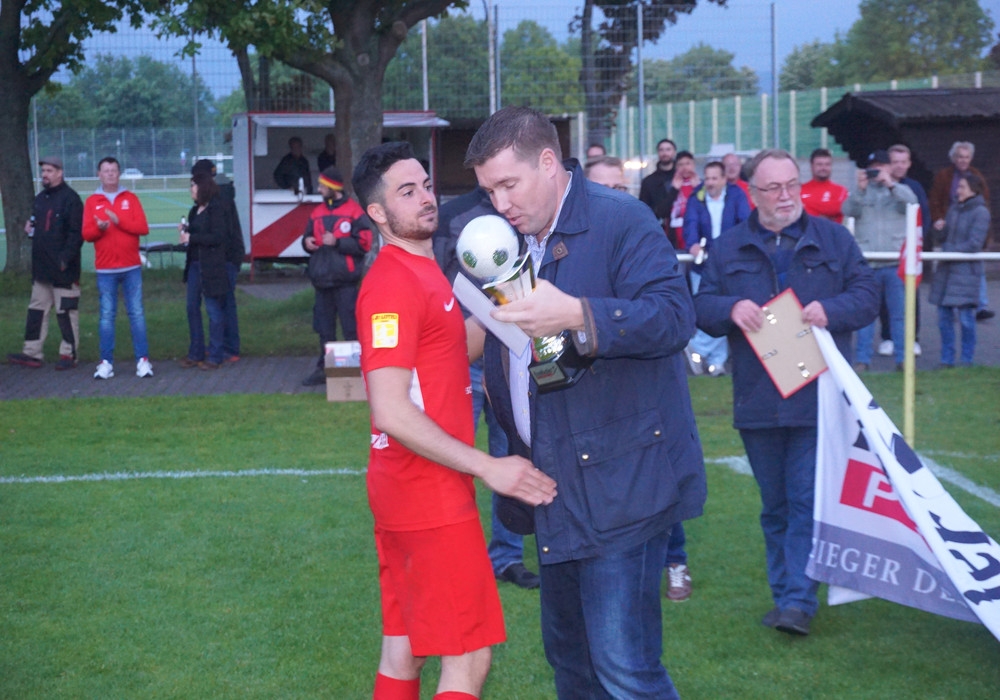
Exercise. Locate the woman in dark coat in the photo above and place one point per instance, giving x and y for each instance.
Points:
(205, 272)
(956, 283)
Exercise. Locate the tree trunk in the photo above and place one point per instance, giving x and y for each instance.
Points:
(595, 101)
(246, 76)
(16, 185)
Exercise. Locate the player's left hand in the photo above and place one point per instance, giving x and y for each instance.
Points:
(112, 217)
(546, 311)
(814, 314)
(517, 477)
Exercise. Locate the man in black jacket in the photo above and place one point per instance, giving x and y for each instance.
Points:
(337, 238)
(56, 231)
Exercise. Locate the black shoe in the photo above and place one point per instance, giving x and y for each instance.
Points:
(317, 378)
(793, 621)
(771, 619)
(520, 576)
(985, 314)
(65, 362)
(24, 360)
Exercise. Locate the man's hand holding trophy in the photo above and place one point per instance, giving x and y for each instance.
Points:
(488, 249)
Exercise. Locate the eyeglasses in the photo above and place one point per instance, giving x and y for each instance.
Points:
(792, 188)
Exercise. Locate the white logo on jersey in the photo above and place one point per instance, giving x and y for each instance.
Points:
(380, 441)
(345, 226)
(124, 204)
(450, 305)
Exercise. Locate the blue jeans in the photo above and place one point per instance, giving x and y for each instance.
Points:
(231, 335)
(130, 282)
(892, 291)
(675, 546)
(505, 547)
(946, 326)
(215, 306)
(714, 351)
(602, 625)
(783, 461)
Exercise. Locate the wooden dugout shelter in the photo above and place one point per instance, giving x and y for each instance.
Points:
(929, 122)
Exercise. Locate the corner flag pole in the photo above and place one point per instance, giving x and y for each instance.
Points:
(909, 363)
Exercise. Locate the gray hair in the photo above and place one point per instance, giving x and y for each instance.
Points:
(962, 144)
(777, 153)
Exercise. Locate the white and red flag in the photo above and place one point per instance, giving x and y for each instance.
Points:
(884, 525)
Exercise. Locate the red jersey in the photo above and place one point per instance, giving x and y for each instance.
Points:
(408, 317)
(824, 199)
(117, 246)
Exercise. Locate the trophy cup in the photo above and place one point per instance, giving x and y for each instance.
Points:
(488, 250)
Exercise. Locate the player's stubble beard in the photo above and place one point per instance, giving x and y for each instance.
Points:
(420, 229)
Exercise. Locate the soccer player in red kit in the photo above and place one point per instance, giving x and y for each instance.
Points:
(439, 597)
(821, 196)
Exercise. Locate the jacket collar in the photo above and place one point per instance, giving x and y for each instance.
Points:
(575, 215)
(754, 234)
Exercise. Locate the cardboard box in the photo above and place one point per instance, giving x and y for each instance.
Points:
(343, 372)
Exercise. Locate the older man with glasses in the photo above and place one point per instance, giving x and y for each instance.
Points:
(780, 247)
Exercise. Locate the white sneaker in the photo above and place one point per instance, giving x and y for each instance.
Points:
(105, 370)
(716, 370)
(886, 347)
(916, 349)
(143, 368)
(694, 362)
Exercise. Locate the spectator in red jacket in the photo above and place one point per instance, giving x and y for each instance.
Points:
(821, 196)
(113, 220)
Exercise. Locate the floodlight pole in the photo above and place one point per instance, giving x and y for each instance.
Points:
(491, 44)
(642, 82)
(774, 77)
(423, 60)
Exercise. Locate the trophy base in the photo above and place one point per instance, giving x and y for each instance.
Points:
(561, 370)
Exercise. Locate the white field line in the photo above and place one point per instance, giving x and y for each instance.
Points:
(738, 464)
(131, 476)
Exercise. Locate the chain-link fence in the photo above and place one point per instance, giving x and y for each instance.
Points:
(698, 89)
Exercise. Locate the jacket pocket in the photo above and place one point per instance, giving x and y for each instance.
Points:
(627, 470)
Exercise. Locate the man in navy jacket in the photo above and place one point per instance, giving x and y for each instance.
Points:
(777, 248)
(621, 443)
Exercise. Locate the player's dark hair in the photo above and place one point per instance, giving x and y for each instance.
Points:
(663, 141)
(820, 153)
(367, 178)
(684, 154)
(108, 159)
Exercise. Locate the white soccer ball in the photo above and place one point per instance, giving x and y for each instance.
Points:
(487, 248)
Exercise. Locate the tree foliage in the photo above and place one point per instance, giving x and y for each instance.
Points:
(457, 70)
(606, 51)
(538, 72)
(811, 65)
(117, 91)
(697, 74)
(348, 45)
(37, 38)
(535, 70)
(896, 39)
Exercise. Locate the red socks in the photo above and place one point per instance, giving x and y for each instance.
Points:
(454, 695)
(387, 688)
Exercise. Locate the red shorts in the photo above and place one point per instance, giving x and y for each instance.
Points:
(438, 589)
